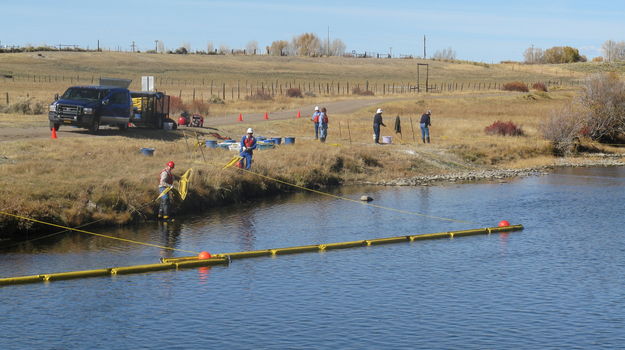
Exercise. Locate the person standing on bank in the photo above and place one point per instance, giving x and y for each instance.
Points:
(377, 121)
(315, 120)
(425, 126)
(248, 145)
(166, 181)
(323, 125)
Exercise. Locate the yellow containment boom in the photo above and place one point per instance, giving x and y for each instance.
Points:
(225, 258)
(183, 186)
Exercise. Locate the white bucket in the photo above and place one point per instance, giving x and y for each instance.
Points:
(387, 139)
(168, 126)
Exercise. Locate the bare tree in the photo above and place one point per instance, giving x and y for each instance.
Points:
(251, 47)
(224, 49)
(603, 100)
(445, 54)
(613, 51)
(307, 44)
(278, 48)
(210, 47)
(337, 48)
(534, 55)
(186, 45)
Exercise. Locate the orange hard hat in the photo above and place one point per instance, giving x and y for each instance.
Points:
(171, 164)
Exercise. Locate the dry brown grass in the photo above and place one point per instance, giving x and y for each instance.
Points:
(193, 75)
(76, 180)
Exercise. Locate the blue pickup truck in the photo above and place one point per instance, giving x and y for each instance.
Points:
(92, 106)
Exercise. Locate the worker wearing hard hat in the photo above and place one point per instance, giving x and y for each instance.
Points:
(315, 120)
(248, 145)
(166, 181)
(425, 124)
(377, 121)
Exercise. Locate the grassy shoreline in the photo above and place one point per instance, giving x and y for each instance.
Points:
(104, 178)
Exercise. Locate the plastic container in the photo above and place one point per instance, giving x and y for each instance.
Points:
(147, 151)
(264, 145)
(211, 144)
(289, 140)
(387, 139)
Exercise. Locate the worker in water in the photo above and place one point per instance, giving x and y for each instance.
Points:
(248, 145)
(166, 181)
(425, 126)
(377, 121)
(315, 120)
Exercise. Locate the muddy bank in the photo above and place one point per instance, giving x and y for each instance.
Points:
(249, 188)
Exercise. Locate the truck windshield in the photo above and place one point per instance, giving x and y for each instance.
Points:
(84, 94)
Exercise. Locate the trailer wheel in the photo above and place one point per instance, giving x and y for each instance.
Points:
(95, 126)
(54, 126)
(122, 127)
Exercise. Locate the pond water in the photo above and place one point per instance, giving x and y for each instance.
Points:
(558, 284)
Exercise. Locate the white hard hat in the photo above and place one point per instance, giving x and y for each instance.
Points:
(316, 108)
(250, 130)
(429, 111)
(379, 110)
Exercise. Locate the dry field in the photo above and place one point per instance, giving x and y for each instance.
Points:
(74, 180)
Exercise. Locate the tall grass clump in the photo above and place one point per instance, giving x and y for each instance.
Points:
(539, 87)
(358, 91)
(24, 106)
(562, 127)
(199, 107)
(259, 95)
(515, 86)
(294, 92)
(504, 129)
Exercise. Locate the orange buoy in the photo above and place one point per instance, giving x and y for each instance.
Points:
(204, 255)
(504, 223)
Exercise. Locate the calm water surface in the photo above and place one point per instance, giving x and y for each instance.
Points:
(559, 284)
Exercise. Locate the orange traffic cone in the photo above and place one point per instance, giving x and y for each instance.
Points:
(240, 117)
(266, 115)
(299, 115)
(54, 133)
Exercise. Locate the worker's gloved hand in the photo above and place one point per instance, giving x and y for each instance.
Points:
(244, 149)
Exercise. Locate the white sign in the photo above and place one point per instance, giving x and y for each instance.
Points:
(147, 83)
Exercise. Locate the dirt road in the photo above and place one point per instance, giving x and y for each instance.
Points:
(19, 131)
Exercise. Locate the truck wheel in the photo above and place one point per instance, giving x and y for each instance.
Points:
(95, 126)
(54, 126)
(122, 127)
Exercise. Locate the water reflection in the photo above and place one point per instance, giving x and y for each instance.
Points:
(170, 234)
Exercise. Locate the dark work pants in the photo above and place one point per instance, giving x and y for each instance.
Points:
(376, 131)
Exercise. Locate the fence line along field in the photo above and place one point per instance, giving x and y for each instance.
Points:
(234, 78)
(461, 95)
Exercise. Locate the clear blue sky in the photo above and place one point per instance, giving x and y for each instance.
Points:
(480, 30)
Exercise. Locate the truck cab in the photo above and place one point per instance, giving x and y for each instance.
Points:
(90, 107)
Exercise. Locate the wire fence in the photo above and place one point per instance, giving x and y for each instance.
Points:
(209, 89)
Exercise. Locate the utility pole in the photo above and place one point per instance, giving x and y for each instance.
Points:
(133, 46)
(156, 46)
(98, 45)
(424, 56)
(328, 47)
